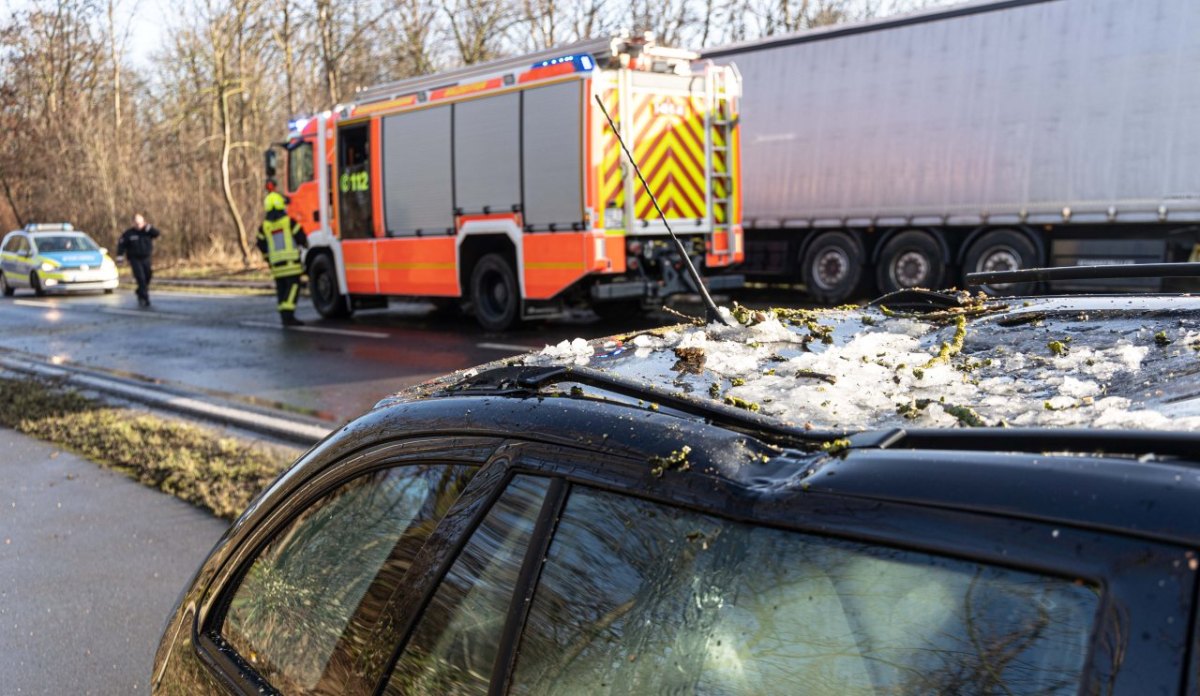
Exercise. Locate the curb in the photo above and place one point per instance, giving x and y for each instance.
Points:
(262, 421)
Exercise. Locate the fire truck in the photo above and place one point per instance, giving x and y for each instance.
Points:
(502, 189)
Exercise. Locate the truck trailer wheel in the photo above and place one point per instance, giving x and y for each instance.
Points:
(911, 259)
(494, 293)
(322, 282)
(1001, 250)
(832, 267)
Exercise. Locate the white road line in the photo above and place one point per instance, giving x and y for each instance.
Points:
(317, 329)
(512, 347)
(36, 303)
(171, 294)
(143, 313)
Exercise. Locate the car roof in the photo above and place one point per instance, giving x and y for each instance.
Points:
(1123, 454)
(672, 455)
(1109, 362)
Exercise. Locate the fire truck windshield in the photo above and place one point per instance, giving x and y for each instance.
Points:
(300, 164)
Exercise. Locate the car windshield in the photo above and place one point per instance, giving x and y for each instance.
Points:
(65, 242)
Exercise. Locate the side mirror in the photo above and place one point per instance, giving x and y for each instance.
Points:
(269, 160)
(104, 250)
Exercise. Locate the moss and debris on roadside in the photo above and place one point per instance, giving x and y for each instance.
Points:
(215, 472)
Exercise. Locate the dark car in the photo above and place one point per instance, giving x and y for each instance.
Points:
(931, 495)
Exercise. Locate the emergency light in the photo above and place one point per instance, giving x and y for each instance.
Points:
(582, 62)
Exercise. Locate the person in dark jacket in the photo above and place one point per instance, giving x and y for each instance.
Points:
(137, 245)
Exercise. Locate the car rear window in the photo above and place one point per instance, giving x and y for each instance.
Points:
(637, 597)
(309, 587)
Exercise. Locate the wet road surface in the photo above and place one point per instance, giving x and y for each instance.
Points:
(233, 344)
(86, 585)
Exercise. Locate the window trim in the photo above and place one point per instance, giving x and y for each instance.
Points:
(407, 608)
(222, 662)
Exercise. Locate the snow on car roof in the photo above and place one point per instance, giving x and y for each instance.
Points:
(1089, 361)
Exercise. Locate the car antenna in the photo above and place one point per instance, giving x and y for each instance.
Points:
(711, 313)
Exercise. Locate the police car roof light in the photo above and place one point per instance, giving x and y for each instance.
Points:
(49, 227)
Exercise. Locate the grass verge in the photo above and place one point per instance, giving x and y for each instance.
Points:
(216, 472)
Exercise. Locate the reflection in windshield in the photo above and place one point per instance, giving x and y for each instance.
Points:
(641, 598)
(72, 242)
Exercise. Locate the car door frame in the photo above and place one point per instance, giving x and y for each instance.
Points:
(1127, 570)
(276, 508)
(11, 271)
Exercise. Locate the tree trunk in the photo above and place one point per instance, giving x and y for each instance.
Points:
(226, 183)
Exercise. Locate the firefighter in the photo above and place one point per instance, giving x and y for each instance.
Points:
(280, 239)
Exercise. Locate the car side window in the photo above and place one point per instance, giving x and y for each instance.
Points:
(328, 572)
(454, 646)
(10, 245)
(637, 597)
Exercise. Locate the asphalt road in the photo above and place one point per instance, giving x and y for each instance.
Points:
(232, 344)
(91, 564)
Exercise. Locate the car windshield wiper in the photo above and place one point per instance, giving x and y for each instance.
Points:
(1134, 270)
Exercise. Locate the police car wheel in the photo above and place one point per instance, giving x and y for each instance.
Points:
(35, 282)
(494, 293)
(8, 289)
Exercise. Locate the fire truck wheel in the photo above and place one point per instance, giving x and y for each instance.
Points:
(911, 259)
(494, 293)
(1001, 250)
(322, 281)
(832, 267)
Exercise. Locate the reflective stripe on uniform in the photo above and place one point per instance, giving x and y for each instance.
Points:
(282, 255)
(289, 304)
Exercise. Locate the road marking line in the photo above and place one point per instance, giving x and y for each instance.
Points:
(143, 313)
(507, 347)
(36, 303)
(317, 329)
(171, 294)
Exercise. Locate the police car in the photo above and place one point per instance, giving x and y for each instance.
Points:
(54, 257)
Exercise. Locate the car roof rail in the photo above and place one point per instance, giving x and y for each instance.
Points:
(1138, 443)
(516, 380)
(527, 380)
(1105, 272)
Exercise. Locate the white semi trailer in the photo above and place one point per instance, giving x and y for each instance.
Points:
(908, 151)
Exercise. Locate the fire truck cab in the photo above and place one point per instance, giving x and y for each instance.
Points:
(502, 188)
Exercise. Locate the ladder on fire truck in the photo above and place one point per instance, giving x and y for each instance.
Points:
(607, 52)
(721, 136)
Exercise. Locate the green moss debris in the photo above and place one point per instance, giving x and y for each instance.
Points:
(215, 472)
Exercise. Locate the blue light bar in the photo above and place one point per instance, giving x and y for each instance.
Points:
(582, 62)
